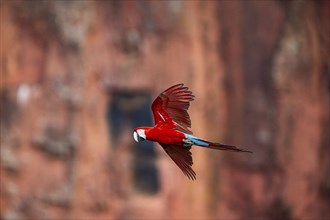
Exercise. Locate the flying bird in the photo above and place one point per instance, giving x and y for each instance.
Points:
(171, 130)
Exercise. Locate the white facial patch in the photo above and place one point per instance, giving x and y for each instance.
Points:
(141, 133)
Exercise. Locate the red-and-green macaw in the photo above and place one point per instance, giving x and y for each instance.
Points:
(172, 128)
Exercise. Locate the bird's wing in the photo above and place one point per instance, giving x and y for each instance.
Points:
(171, 106)
(182, 157)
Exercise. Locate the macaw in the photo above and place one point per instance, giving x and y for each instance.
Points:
(171, 130)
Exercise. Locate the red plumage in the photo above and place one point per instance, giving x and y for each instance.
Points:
(170, 108)
(172, 128)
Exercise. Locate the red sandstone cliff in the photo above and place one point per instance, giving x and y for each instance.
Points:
(77, 76)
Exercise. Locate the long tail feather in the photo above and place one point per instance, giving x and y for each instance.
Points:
(217, 146)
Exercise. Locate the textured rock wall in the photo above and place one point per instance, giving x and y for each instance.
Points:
(279, 85)
(260, 73)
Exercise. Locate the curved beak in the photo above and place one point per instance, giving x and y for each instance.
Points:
(137, 137)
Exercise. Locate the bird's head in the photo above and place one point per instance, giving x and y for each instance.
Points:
(139, 134)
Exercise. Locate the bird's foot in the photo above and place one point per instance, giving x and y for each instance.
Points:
(187, 143)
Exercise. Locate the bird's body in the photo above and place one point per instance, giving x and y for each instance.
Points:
(163, 135)
(172, 128)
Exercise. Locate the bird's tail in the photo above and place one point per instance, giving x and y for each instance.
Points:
(203, 143)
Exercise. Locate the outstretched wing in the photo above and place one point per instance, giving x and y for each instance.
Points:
(171, 107)
(182, 157)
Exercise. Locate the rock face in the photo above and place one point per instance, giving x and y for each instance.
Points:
(77, 76)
